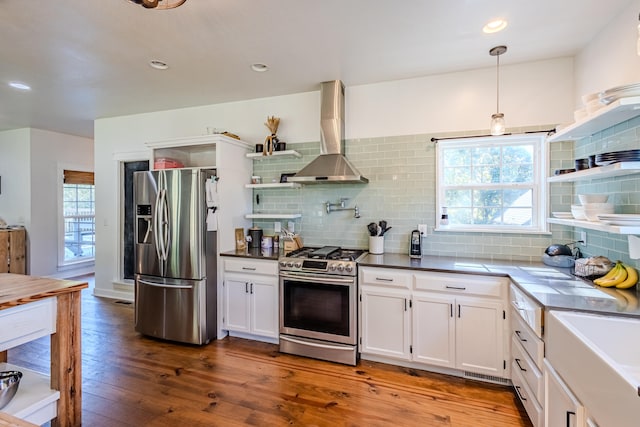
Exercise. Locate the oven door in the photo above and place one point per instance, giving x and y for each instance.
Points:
(319, 307)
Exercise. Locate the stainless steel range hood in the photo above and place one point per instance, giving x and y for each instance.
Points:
(331, 166)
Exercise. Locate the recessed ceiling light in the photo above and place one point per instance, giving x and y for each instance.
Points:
(158, 65)
(259, 68)
(19, 85)
(495, 26)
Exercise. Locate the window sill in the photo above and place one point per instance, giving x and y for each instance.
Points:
(492, 231)
(72, 265)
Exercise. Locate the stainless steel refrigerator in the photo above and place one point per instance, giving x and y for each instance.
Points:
(175, 255)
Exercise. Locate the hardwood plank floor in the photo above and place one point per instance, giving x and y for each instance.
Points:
(131, 380)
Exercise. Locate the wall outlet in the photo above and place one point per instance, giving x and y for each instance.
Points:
(291, 226)
(583, 237)
(422, 228)
(277, 227)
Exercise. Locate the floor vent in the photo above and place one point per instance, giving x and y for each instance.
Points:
(123, 302)
(488, 378)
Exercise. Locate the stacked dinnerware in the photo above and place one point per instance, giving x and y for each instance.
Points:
(593, 205)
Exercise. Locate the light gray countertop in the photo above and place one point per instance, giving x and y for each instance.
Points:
(552, 287)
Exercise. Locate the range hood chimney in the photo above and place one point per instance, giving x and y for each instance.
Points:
(331, 166)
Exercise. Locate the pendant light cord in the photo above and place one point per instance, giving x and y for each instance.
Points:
(498, 84)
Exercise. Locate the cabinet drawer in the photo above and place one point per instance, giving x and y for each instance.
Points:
(245, 265)
(27, 322)
(462, 283)
(531, 405)
(527, 369)
(527, 309)
(385, 277)
(533, 345)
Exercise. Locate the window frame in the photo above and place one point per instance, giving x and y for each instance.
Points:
(64, 264)
(539, 188)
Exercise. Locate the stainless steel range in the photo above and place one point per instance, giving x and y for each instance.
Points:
(318, 303)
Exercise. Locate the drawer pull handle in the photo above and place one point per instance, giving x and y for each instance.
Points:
(382, 279)
(460, 288)
(519, 337)
(524, 399)
(520, 366)
(249, 268)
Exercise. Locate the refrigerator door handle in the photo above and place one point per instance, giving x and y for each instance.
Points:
(165, 226)
(160, 285)
(157, 226)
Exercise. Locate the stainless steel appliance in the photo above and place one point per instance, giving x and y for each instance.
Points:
(318, 303)
(175, 256)
(415, 247)
(331, 166)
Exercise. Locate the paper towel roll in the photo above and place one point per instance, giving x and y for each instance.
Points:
(634, 246)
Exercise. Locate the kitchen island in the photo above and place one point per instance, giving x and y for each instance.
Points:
(32, 307)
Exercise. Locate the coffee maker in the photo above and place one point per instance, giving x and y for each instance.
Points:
(415, 247)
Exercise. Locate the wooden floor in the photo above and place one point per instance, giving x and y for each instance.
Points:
(130, 380)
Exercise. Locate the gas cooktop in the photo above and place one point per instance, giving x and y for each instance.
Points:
(327, 259)
(327, 252)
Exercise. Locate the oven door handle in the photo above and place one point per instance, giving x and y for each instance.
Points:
(316, 279)
(313, 344)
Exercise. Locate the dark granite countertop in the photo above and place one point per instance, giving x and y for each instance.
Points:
(255, 253)
(552, 287)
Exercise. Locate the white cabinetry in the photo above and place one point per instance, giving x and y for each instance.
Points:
(251, 298)
(562, 407)
(35, 401)
(454, 321)
(469, 311)
(527, 353)
(384, 312)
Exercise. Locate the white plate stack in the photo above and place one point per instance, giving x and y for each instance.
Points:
(632, 220)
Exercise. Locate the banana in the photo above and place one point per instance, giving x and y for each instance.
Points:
(619, 276)
(631, 280)
(609, 274)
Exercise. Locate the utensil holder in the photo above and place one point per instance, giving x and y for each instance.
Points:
(376, 245)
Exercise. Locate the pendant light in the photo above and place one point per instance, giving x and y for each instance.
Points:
(497, 119)
(159, 4)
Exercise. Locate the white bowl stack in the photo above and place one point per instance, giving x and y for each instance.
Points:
(591, 206)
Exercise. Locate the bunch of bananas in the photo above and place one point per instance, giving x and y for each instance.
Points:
(621, 276)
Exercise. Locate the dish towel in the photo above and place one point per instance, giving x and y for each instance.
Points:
(211, 190)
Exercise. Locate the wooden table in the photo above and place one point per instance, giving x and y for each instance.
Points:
(66, 362)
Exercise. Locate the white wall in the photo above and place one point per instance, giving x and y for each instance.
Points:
(533, 93)
(15, 177)
(29, 163)
(610, 59)
(454, 102)
(51, 153)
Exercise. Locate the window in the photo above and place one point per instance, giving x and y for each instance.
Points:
(78, 214)
(492, 183)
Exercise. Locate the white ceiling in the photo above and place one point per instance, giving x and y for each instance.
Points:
(89, 59)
